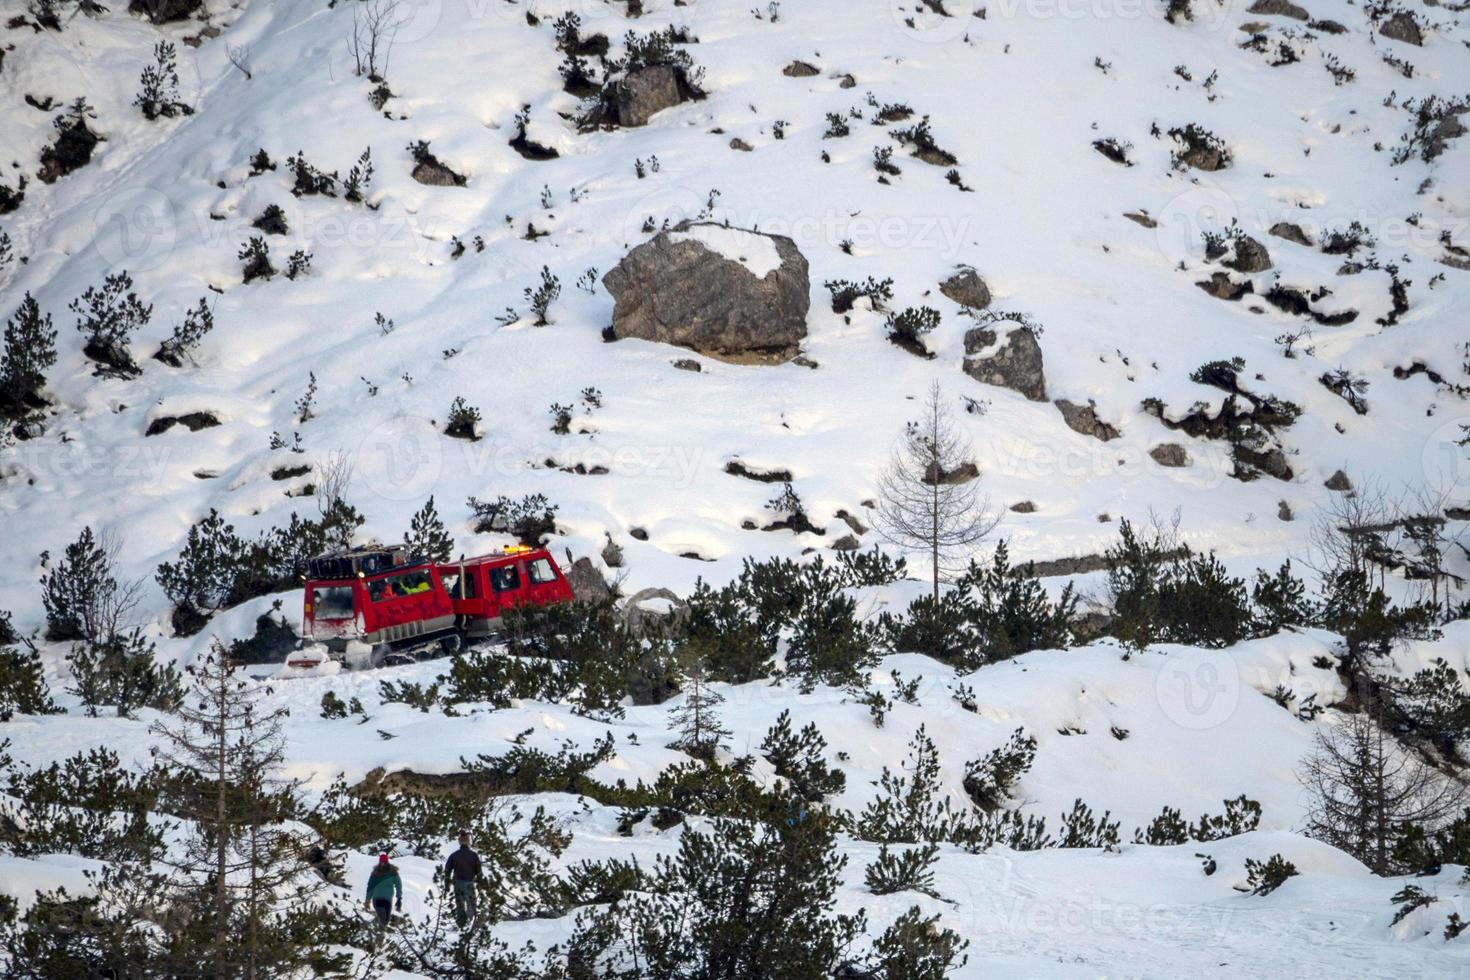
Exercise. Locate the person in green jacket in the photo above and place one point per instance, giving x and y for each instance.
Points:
(383, 887)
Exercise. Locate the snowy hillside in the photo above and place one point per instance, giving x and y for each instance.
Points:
(1239, 232)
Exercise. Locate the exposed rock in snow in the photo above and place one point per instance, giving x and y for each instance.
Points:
(586, 581)
(1291, 232)
(722, 291)
(800, 69)
(1169, 454)
(1083, 419)
(966, 288)
(1278, 8)
(1339, 481)
(1250, 256)
(1015, 364)
(1403, 27)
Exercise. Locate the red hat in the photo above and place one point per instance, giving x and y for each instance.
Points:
(382, 859)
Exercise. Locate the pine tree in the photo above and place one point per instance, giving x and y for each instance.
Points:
(187, 335)
(748, 900)
(916, 948)
(109, 316)
(120, 670)
(696, 719)
(427, 536)
(22, 678)
(800, 759)
(240, 870)
(158, 93)
(30, 350)
(83, 598)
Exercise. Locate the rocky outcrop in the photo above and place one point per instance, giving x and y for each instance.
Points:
(1249, 256)
(726, 292)
(1221, 286)
(1083, 419)
(800, 69)
(650, 610)
(587, 582)
(1016, 362)
(966, 288)
(1278, 8)
(1403, 27)
(164, 11)
(1339, 482)
(1291, 232)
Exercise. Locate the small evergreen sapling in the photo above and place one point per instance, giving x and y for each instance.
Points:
(158, 93)
(427, 535)
(908, 870)
(1264, 877)
(697, 720)
(29, 352)
(120, 671)
(187, 336)
(109, 316)
(541, 297)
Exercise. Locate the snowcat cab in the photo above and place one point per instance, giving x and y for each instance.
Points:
(481, 589)
(385, 598)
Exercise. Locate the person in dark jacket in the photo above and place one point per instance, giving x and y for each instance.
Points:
(463, 871)
(383, 887)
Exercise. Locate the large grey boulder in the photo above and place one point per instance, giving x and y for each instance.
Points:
(1015, 364)
(587, 582)
(640, 94)
(726, 292)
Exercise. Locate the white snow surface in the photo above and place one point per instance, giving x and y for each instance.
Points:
(756, 252)
(1018, 96)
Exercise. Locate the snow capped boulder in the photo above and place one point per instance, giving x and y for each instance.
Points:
(726, 292)
(1403, 27)
(966, 288)
(1083, 419)
(1013, 361)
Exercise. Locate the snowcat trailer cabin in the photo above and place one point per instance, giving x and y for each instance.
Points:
(404, 607)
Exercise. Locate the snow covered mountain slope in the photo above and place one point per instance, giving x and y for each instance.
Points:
(417, 295)
(1018, 96)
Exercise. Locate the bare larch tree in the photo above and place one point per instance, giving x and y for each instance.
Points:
(1364, 788)
(928, 503)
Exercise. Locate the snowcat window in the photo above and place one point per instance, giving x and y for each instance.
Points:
(505, 578)
(334, 602)
(398, 586)
(540, 572)
(451, 585)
